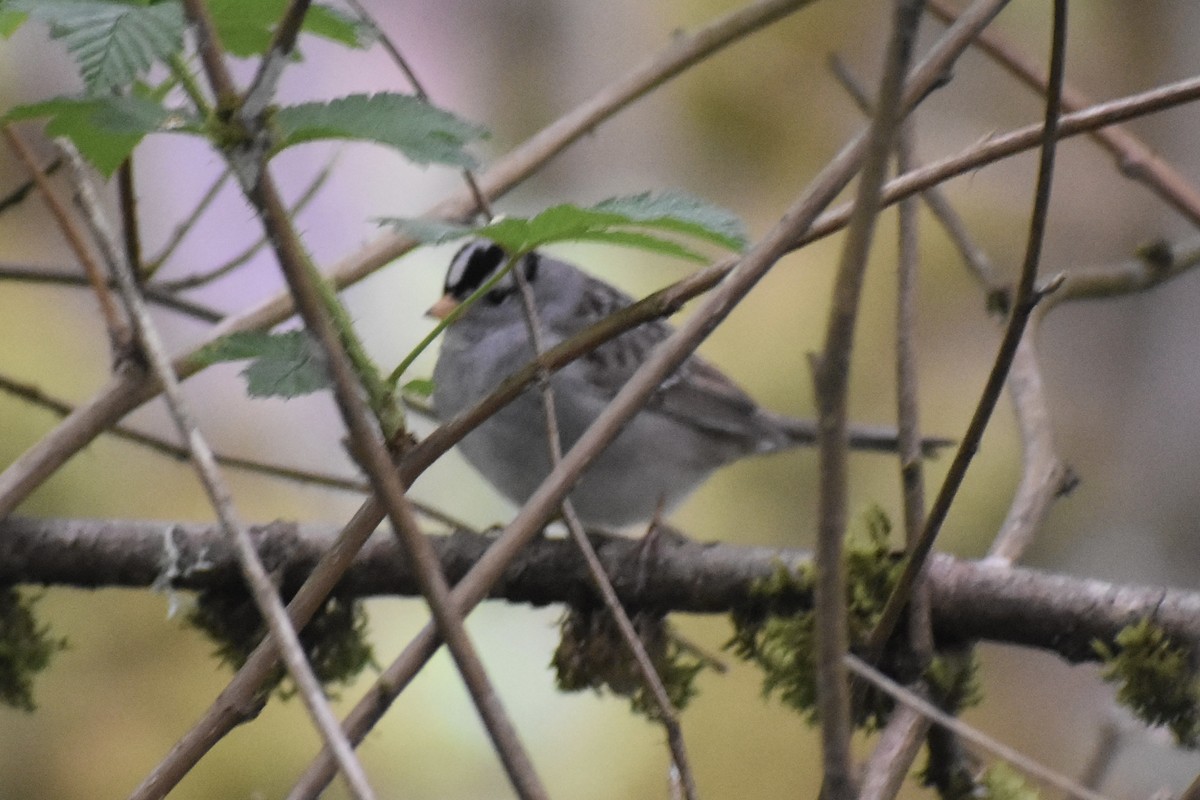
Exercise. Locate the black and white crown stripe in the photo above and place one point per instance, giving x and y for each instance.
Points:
(476, 262)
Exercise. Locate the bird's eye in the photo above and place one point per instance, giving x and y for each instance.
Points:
(498, 295)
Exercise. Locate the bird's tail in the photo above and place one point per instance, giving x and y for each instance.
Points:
(874, 438)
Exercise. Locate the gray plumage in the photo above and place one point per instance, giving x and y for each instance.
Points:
(696, 422)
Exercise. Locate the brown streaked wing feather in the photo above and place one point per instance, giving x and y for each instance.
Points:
(697, 394)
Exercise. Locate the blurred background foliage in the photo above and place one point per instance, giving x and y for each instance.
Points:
(746, 130)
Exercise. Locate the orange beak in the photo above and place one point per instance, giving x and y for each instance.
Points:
(442, 308)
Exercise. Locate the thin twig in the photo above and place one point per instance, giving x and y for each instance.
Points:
(899, 744)
(831, 374)
(130, 235)
(180, 232)
(1023, 304)
(970, 734)
(48, 275)
(62, 408)
(259, 583)
(912, 479)
(975, 257)
(119, 335)
(1001, 146)
(1153, 265)
(912, 471)
(668, 715)
(325, 480)
(204, 278)
(1044, 476)
(18, 195)
(1133, 157)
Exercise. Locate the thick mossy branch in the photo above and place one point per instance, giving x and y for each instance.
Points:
(26, 648)
(334, 640)
(1158, 677)
(592, 655)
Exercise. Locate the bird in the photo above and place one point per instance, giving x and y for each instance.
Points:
(697, 421)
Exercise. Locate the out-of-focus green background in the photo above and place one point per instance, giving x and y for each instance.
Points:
(746, 130)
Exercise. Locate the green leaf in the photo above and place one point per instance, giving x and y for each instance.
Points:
(284, 365)
(572, 224)
(105, 129)
(621, 221)
(423, 133)
(113, 42)
(428, 231)
(245, 27)
(337, 26)
(628, 221)
(11, 21)
(683, 213)
(422, 387)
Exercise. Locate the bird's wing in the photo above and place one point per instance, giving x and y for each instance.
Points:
(696, 394)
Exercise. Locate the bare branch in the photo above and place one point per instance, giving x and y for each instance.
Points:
(30, 274)
(1044, 476)
(831, 380)
(1134, 159)
(203, 278)
(119, 335)
(127, 197)
(898, 746)
(1001, 146)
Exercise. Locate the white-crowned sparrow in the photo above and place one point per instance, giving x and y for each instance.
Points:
(697, 421)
